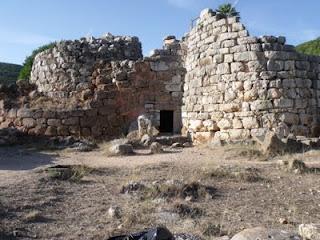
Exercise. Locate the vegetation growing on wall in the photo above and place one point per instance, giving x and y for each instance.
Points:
(27, 65)
(227, 10)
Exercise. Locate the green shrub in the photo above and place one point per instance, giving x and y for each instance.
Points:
(227, 10)
(310, 48)
(9, 73)
(27, 65)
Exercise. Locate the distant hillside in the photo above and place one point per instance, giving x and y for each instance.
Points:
(311, 47)
(9, 72)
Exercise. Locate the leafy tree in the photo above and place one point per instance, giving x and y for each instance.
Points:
(9, 73)
(28, 62)
(227, 10)
(310, 48)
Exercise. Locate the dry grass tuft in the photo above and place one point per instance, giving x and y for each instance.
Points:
(186, 211)
(211, 230)
(299, 167)
(138, 216)
(250, 152)
(34, 217)
(237, 174)
(192, 191)
(72, 173)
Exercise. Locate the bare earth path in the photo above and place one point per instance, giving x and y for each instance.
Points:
(32, 206)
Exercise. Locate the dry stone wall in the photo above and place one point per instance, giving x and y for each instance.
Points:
(114, 91)
(219, 82)
(66, 69)
(239, 86)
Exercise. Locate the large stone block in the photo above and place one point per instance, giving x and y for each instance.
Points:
(159, 66)
(230, 107)
(256, 66)
(29, 122)
(73, 121)
(239, 134)
(54, 122)
(225, 124)
(283, 103)
(250, 122)
(275, 65)
(248, 56)
(51, 131)
(237, 67)
(195, 125)
(290, 118)
(210, 125)
(260, 105)
(24, 113)
(223, 68)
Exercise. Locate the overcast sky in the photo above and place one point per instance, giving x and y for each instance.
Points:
(27, 24)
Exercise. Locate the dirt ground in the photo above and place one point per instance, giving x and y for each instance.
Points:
(248, 192)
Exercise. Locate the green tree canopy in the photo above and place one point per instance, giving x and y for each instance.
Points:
(227, 10)
(310, 48)
(27, 65)
(9, 73)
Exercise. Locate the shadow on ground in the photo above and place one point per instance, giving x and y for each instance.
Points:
(18, 158)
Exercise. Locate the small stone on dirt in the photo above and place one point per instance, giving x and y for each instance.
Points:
(265, 234)
(156, 148)
(146, 140)
(176, 145)
(121, 150)
(132, 187)
(114, 212)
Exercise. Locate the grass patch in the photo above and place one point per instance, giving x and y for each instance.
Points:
(186, 211)
(191, 191)
(236, 174)
(250, 152)
(72, 173)
(34, 217)
(299, 167)
(211, 230)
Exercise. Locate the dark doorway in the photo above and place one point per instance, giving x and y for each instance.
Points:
(166, 121)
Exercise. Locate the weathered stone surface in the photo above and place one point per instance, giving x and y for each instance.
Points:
(310, 231)
(216, 80)
(29, 122)
(265, 234)
(250, 123)
(225, 124)
(121, 149)
(156, 148)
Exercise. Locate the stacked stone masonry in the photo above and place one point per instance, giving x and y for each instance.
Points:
(239, 86)
(219, 82)
(102, 94)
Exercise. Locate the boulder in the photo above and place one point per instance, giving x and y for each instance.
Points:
(310, 231)
(84, 146)
(133, 136)
(121, 149)
(272, 145)
(265, 234)
(156, 148)
(176, 145)
(146, 140)
(114, 212)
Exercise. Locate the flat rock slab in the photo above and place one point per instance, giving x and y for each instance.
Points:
(265, 234)
(310, 231)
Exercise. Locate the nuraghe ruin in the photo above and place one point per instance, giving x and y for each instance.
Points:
(217, 82)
